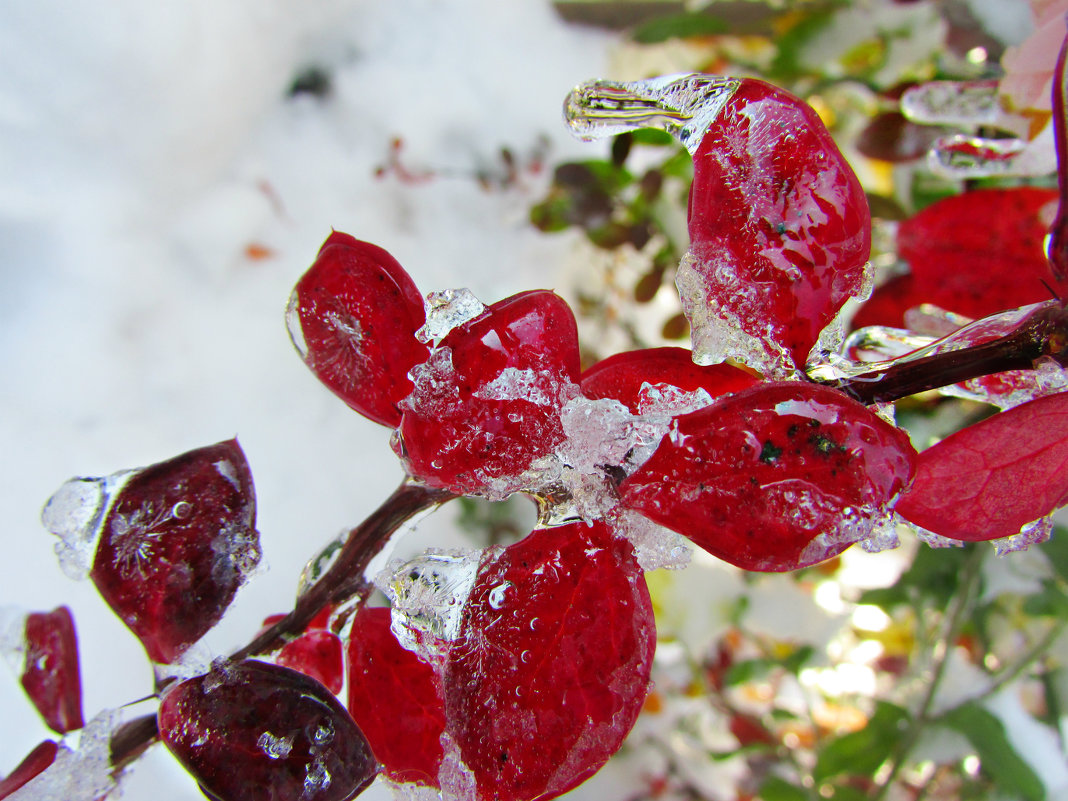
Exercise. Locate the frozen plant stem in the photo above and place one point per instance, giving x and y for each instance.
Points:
(1044, 334)
(342, 581)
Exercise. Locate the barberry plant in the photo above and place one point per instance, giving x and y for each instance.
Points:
(515, 672)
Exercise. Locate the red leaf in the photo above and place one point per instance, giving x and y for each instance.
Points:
(552, 663)
(175, 546)
(50, 675)
(35, 763)
(394, 698)
(316, 653)
(990, 479)
(775, 477)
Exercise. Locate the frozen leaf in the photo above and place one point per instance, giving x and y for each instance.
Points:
(35, 762)
(968, 486)
(395, 700)
(775, 477)
(552, 664)
(79, 774)
(50, 674)
(176, 543)
(250, 731)
(487, 404)
(353, 317)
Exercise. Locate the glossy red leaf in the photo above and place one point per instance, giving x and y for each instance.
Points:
(980, 252)
(622, 375)
(252, 731)
(487, 403)
(319, 654)
(50, 673)
(779, 227)
(35, 763)
(395, 700)
(988, 480)
(552, 663)
(353, 317)
(176, 544)
(776, 477)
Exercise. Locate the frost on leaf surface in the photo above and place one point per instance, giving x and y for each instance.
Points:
(251, 730)
(776, 477)
(968, 486)
(779, 233)
(353, 317)
(485, 407)
(82, 773)
(394, 698)
(552, 663)
(176, 543)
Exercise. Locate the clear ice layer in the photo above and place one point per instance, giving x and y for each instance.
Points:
(963, 103)
(683, 105)
(427, 596)
(445, 310)
(81, 773)
(75, 514)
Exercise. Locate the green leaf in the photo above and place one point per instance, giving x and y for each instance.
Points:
(678, 26)
(1056, 550)
(862, 752)
(933, 575)
(776, 789)
(652, 137)
(1049, 602)
(792, 43)
(987, 733)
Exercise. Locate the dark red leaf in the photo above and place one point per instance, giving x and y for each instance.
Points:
(35, 763)
(779, 227)
(552, 663)
(621, 376)
(252, 731)
(776, 477)
(50, 673)
(176, 544)
(487, 403)
(394, 698)
(353, 317)
(989, 479)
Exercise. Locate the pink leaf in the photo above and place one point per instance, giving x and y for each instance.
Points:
(990, 479)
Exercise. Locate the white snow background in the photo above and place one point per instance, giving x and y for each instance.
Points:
(143, 147)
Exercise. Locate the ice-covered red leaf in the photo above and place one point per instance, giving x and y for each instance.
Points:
(487, 403)
(252, 731)
(50, 673)
(988, 480)
(316, 653)
(35, 763)
(780, 232)
(980, 252)
(552, 662)
(395, 700)
(622, 375)
(353, 317)
(776, 477)
(176, 543)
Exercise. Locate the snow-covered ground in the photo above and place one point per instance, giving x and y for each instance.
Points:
(159, 196)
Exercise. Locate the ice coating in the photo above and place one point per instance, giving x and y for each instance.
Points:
(683, 105)
(82, 768)
(74, 513)
(1030, 534)
(655, 546)
(965, 103)
(321, 562)
(428, 595)
(446, 309)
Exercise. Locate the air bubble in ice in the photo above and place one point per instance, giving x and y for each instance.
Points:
(445, 310)
(75, 514)
(496, 595)
(275, 747)
(428, 596)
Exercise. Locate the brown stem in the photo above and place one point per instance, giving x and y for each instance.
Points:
(343, 580)
(1045, 333)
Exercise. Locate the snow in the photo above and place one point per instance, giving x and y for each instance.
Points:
(148, 155)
